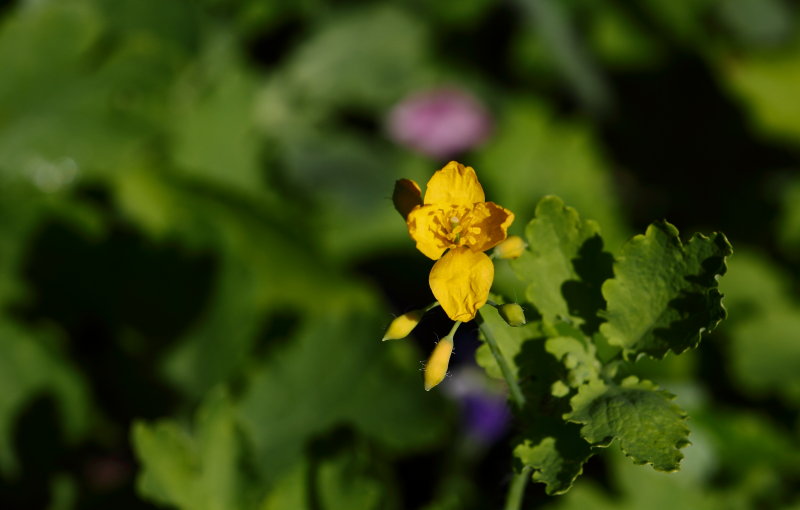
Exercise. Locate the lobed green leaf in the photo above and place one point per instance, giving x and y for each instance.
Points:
(664, 295)
(649, 426)
(198, 471)
(564, 265)
(509, 340)
(364, 387)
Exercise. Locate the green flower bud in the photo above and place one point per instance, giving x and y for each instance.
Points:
(513, 314)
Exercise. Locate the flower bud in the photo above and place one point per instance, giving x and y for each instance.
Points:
(406, 196)
(511, 248)
(402, 326)
(436, 369)
(513, 314)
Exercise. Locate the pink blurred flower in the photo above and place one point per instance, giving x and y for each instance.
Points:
(440, 123)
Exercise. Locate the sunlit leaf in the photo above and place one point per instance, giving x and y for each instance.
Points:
(345, 376)
(509, 341)
(564, 264)
(202, 470)
(649, 427)
(31, 366)
(213, 122)
(767, 85)
(664, 294)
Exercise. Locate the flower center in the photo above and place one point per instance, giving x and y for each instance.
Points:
(455, 227)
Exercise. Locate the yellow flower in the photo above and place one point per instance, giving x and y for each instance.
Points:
(455, 218)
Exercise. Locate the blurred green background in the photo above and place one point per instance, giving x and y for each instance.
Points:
(198, 253)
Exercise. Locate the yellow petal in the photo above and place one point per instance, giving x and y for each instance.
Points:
(402, 326)
(407, 195)
(460, 281)
(454, 184)
(424, 227)
(436, 368)
(493, 222)
(511, 248)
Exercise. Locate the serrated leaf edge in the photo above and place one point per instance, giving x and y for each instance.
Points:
(674, 234)
(629, 382)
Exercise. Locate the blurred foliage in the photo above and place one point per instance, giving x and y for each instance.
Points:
(198, 252)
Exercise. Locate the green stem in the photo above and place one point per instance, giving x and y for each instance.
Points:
(452, 333)
(513, 387)
(430, 307)
(517, 489)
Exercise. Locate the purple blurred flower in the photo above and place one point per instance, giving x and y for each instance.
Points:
(483, 404)
(440, 123)
(487, 416)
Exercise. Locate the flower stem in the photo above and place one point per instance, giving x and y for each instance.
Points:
(513, 387)
(452, 333)
(517, 489)
(430, 307)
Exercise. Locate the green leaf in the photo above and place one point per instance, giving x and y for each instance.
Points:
(334, 66)
(199, 471)
(554, 449)
(634, 488)
(764, 354)
(253, 248)
(345, 376)
(763, 349)
(348, 479)
(648, 425)
(557, 457)
(29, 366)
(757, 22)
(104, 105)
(745, 443)
(577, 356)
(564, 264)
(536, 151)
(683, 21)
(213, 131)
(509, 341)
(339, 474)
(620, 43)
(753, 286)
(768, 83)
(664, 295)
(789, 222)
